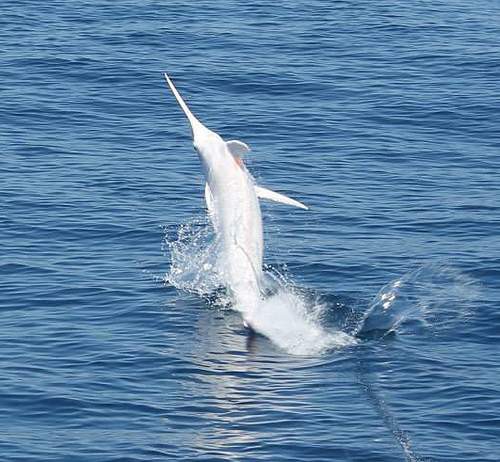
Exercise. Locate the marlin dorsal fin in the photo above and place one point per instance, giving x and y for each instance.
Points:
(237, 148)
(264, 193)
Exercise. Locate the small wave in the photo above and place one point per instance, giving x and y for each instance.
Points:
(435, 295)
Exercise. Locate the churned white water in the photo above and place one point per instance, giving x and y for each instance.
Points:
(288, 317)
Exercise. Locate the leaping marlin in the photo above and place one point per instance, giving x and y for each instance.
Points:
(232, 199)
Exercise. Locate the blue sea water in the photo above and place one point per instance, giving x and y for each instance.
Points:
(382, 116)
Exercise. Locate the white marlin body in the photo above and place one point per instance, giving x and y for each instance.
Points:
(232, 199)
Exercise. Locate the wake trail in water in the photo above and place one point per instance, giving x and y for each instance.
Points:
(385, 413)
(286, 315)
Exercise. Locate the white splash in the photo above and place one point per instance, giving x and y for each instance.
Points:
(193, 258)
(291, 319)
(294, 323)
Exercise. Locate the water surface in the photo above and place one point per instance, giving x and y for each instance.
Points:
(381, 116)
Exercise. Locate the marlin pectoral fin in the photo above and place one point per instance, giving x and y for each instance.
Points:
(209, 199)
(264, 193)
(237, 148)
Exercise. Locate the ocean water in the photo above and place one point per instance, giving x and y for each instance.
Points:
(383, 341)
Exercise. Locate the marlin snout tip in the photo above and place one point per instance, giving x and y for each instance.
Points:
(195, 123)
(167, 78)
